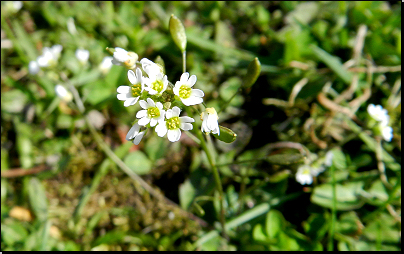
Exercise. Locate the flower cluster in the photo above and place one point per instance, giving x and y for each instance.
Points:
(306, 172)
(49, 57)
(380, 115)
(159, 99)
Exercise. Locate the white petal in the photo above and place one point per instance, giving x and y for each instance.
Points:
(141, 113)
(122, 96)
(192, 101)
(176, 111)
(138, 138)
(161, 129)
(143, 121)
(151, 103)
(115, 62)
(159, 105)
(123, 89)
(132, 77)
(197, 93)
(143, 104)
(169, 113)
(174, 135)
(186, 119)
(133, 131)
(186, 126)
(153, 122)
(192, 81)
(184, 77)
(176, 89)
(130, 101)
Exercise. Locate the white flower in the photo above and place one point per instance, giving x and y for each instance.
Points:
(131, 94)
(183, 90)
(387, 132)
(71, 27)
(156, 83)
(378, 113)
(106, 64)
(135, 134)
(33, 67)
(123, 57)
(304, 175)
(173, 124)
(62, 93)
(49, 56)
(209, 121)
(82, 55)
(152, 112)
(150, 67)
(315, 171)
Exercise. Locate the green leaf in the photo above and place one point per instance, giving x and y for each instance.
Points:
(13, 233)
(285, 159)
(186, 194)
(226, 135)
(177, 31)
(333, 63)
(138, 162)
(347, 196)
(37, 198)
(253, 71)
(259, 234)
(274, 223)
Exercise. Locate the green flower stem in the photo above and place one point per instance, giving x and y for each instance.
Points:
(380, 164)
(217, 180)
(118, 161)
(184, 61)
(333, 211)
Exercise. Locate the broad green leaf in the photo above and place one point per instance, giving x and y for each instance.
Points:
(186, 194)
(347, 196)
(259, 234)
(333, 63)
(138, 162)
(226, 135)
(13, 233)
(177, 31)
(253, 71)
(155, 148)
(274, 223)
(348, 223)
(37, 198)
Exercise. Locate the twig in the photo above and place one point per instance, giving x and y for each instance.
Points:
(378, 69)
(329, 104)
(296, 89)
(17, 172)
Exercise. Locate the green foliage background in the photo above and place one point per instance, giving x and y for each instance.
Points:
(83, 201)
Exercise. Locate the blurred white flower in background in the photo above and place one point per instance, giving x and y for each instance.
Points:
(62, 93)
(33, 67)
(106, 64)
(49, 56)
(82, 55)
(71, 27)
(304, 175)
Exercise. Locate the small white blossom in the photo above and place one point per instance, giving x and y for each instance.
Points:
(378, 113)
(135, 134)
(82, 55)
(131, 94)
(152, 112)
(106, 64)
(387, 132)
(183, 90)
(150, 67)
(123, 57)
(156, 83)
(71, 27)
(33, 67)
(62, 93)
(328, 158)
(209, 121)
(304, 175)
(49, 56)
(173, 124)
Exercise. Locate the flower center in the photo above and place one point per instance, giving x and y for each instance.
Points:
(153, 112)
(173, 123)
(136, 90)
(306, 172)
(185, 92)
(157, 85)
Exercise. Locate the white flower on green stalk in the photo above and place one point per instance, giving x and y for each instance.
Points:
(387, 132)
(173, 123)
(378, 113)
(135, 134)
(152, 112)
(209, 121)
(156, 83)
(131, 94)
(183, 90)
(49, 56)
(125, 58)
(106, 64)
(304, 175)
(62, 93)
(82, 55)
(33, 67)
